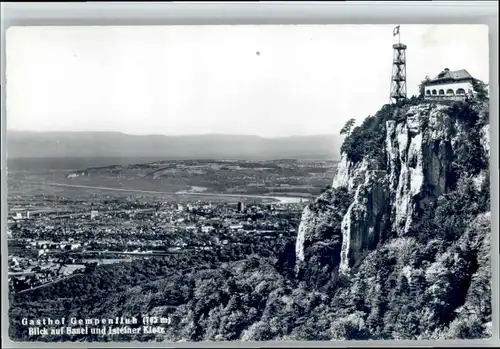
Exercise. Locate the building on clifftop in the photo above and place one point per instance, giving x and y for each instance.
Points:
(455, 85)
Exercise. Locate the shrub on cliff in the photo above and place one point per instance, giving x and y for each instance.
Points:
(469, 155)
(464, 112)
(367, 140)
(481, 90)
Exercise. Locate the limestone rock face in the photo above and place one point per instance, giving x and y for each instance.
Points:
(368, 202)
(319, 238)
(366, 218)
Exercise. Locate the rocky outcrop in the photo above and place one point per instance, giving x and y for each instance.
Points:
(319, 238)
(420, 150)
(485, 139)
(424, 149)
(366, 218)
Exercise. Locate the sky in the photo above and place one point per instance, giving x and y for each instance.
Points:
(270, 81)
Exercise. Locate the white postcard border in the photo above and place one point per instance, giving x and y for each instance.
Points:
(203, 13)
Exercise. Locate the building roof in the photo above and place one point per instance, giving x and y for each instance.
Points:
(450, 76)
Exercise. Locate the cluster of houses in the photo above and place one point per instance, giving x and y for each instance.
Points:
(25, 273)
(46, 246)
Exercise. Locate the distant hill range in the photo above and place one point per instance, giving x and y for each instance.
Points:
(23, 144)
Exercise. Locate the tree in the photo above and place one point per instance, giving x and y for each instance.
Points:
(346, 130)
(421, 87)
(480, 88)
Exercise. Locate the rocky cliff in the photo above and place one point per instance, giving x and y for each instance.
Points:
(394, 167)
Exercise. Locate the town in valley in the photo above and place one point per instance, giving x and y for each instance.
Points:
(66, 222)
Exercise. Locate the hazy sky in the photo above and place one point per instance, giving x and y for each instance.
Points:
(262, 80)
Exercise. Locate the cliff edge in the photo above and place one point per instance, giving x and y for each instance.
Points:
(412, 191)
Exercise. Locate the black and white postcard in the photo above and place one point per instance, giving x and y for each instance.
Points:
(248, 183)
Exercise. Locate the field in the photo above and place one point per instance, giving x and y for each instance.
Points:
(86, 179)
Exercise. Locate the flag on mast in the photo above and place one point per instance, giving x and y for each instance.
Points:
(395, 31)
